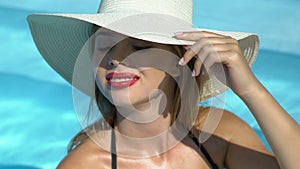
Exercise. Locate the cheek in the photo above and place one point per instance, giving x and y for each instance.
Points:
(100, 78)
(162, 81)
(100, 61)
(153, 78)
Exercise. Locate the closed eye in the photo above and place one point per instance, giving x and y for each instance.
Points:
(141, 47)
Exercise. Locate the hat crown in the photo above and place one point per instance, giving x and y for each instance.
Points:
(182, 9)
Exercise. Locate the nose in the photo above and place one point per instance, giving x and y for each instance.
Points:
(118, 55)
(113, 62)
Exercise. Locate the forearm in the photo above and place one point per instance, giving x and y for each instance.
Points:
(280, 129)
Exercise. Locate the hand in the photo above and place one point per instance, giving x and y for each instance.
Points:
(277, 125)
(214, 51)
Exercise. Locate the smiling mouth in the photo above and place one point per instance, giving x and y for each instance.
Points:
(121, 80)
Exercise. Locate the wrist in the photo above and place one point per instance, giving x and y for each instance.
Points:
(254, 92)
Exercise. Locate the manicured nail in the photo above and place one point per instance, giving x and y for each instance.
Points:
(181, 62)
(194, 73)
(179, 33)
(202, 73)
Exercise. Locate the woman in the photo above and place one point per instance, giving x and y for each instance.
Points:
(148, 96)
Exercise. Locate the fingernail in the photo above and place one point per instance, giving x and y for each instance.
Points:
(181, 62)
(194, 73)
(178, 33)
(202, 73)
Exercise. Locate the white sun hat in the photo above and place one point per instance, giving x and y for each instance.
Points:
(61, 37)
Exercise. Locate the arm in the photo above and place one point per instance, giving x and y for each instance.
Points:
(281, 131)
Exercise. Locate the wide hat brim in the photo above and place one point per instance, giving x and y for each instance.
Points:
(60, 39)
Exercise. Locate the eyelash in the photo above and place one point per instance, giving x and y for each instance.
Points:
(141, 47)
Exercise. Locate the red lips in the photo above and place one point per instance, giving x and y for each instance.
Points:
(121, 80)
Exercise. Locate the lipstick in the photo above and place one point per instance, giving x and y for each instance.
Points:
(121, 80)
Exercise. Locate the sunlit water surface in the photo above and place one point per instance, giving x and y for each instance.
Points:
(37, 118)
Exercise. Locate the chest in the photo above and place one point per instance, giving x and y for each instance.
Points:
(177, 158)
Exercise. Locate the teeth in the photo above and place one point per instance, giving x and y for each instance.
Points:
(122, 80)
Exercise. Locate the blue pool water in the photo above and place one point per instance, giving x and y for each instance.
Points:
(37, 118)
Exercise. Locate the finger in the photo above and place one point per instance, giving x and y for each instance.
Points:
(213, 49)
(197, 47)
(209, 54)
(188, 55)
(193, 52)
(194, 36)
(227, 58)
(213, 58)
(218, 48)
(205, 52)
(214, 64)
(212, 34)
(197, 67)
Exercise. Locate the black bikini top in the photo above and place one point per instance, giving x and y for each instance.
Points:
(196, 141)
(203, 150)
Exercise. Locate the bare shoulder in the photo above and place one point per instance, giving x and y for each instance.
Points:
(233, 129)
(230, 141)
(86, 155)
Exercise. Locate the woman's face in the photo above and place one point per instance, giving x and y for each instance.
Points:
(128, 70)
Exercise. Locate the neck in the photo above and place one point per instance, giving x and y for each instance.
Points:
(145, 132)
(130, 128)
(146, 119)
(143, 140)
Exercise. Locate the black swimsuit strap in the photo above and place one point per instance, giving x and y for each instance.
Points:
(203, 150)
(113, 149)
